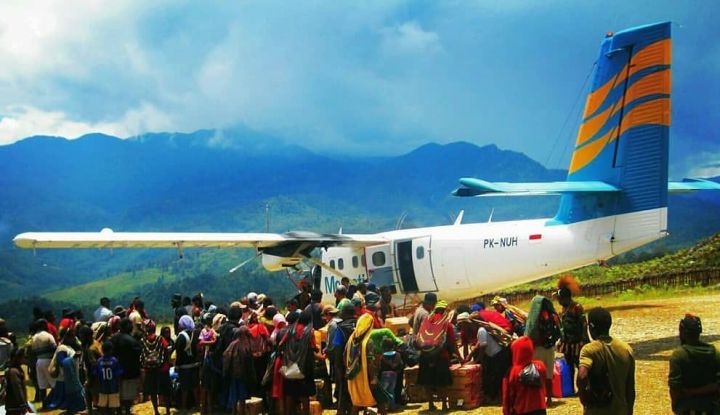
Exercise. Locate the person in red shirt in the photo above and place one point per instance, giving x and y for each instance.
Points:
(51, 327)
(524, 386)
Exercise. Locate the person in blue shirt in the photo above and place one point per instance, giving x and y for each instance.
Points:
(108, 372)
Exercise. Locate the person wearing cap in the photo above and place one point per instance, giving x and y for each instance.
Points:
(609, 359)
(694, 371)
(501, 306)
(422, 312)
(495, 358)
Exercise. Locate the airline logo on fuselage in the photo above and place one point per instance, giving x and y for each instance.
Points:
(332, 282)
(504, 242)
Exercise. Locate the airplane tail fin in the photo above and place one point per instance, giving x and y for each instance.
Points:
(623, 137)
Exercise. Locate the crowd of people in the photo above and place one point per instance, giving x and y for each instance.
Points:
(346, 355)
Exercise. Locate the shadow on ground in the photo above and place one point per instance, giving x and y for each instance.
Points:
(651, 349)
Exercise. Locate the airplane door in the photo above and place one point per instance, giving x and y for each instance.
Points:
(380, 265)
(414, 265)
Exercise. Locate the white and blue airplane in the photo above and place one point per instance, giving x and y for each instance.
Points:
(614, 200)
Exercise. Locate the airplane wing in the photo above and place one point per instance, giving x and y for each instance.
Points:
(109, 239)
(476, 187)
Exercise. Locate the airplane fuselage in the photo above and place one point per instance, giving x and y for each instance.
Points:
(466, 260)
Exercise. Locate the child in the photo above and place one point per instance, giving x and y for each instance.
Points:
(155, 361)
(390, 365)
(208, 338)
(108, 372)
(16, 399)
(524, 386)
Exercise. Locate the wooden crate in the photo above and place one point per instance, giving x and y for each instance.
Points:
(397, 323)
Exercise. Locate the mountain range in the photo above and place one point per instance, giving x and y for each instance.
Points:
(213, 180)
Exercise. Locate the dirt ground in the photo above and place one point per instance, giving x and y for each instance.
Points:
(650, 327)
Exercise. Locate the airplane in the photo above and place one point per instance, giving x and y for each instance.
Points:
(613, 200)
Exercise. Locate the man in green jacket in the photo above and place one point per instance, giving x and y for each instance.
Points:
(694, 371)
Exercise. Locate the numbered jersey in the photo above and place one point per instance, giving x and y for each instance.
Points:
(108, 371)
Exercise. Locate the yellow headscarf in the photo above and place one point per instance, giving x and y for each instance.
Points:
(359, 386)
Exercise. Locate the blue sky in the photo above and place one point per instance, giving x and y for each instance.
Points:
(375, 77)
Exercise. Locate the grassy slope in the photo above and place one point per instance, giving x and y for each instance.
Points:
(112, 287)
(705, 253)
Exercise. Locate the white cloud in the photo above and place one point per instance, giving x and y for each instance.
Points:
(24, 121)
(410, 38)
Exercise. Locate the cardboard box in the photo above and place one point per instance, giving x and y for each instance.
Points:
(466, 388)
(254, 406)
(397, 323)
(315, 408)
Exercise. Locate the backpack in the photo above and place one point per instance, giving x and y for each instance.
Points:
(152, 355)
(258, 344)
(432, 337)
(530, 376)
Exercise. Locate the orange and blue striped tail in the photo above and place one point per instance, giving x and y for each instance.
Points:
(623, 137)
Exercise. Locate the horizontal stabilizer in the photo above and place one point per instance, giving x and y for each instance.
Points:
(692, 184)
(478, 187)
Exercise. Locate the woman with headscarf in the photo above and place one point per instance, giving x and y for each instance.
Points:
(186, 361)
(523, 390)
(297, 347)
(363, 353)
(436, 342)
(238, 367)
(74, 401)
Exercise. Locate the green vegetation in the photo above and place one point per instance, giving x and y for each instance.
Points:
(704, 254)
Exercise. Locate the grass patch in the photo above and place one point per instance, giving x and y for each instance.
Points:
(113, 287)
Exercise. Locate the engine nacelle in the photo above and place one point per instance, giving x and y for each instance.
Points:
(275, 263)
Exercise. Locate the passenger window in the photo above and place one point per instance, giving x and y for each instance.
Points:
(378, 258)
(332, 263)
(341, 263)
(420, 252)
(355, 261)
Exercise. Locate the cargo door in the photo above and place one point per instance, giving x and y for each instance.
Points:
(414, 265)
